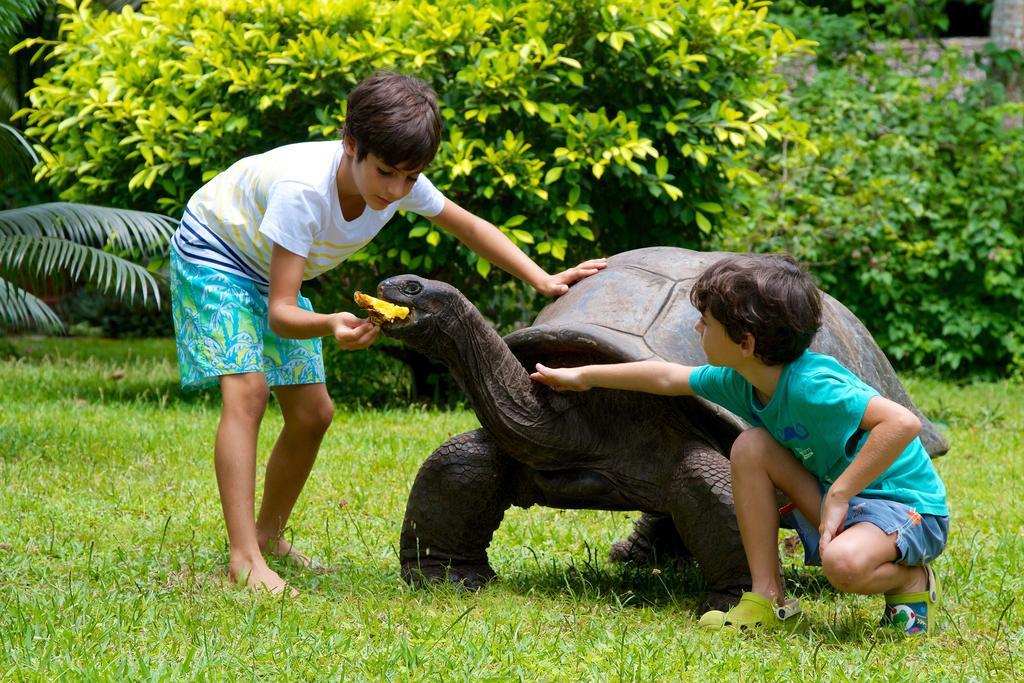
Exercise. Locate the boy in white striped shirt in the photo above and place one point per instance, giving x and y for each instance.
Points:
(248, 240)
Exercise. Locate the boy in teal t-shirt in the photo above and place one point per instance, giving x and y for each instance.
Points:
(870, 507)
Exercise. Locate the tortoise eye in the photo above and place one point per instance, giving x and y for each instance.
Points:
(412, 288)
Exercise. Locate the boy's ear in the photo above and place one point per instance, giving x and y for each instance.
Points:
(748, 344)
(350, 145)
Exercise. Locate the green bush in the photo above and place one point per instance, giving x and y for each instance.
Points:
(579, 127)
(102, 315)
(872, 18)
(366, 378)
(910, 213)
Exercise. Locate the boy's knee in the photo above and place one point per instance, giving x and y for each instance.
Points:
(750, 447)
(322, 415)
(247, 397)
(313, 417)
(844, 568)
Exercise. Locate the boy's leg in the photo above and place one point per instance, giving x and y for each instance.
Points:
(862, 559)
(244, 402)
(307, 410)
(295, 369)
(219, 320)
(886, 548)
(760, 465)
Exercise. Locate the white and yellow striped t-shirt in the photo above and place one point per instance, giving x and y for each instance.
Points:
(286, 196)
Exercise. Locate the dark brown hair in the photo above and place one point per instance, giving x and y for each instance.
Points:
(770, 297)
(395, 117)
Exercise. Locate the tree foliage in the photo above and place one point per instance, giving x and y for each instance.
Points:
(866, 19)
(911, 212)
(576, 126)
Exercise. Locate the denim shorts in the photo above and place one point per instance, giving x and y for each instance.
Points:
(221, 328)
(919, 538)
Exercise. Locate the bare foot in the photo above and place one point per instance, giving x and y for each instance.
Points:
(290, 553)
(259, 577)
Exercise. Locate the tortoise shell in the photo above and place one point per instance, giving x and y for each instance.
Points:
(639, 308)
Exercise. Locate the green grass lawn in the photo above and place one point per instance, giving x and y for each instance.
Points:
(113, 550)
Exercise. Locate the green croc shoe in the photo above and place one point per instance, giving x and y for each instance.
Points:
(753, 612)
(911, 612)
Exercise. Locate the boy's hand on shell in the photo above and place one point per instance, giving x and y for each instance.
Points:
(560, 379)
(353, 333)
(558, 284)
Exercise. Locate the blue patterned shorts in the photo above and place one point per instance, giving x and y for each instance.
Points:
(920, 538)
(221, 328)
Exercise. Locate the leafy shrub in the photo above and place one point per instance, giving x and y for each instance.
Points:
(578, 126)
(369, 377)
(911, 212)
(102, 315)
(837, 35)
(871, 19)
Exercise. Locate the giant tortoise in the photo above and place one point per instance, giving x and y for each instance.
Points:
(666, 457)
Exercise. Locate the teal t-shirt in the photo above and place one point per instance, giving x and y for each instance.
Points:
(816, 412)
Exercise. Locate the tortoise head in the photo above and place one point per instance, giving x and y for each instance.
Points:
(433, 307)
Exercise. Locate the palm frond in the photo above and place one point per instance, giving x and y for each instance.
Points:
(16, 156)
(8, 85)
(13, 13)
(137, 232)
(38, 257)
(20, 309)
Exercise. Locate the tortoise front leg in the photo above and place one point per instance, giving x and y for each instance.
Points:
(457, 502)
(702, 508)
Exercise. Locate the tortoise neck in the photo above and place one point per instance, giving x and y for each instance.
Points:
(509, 404)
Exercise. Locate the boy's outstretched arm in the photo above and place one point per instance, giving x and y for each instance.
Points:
(289, 321)
(652, 377)
(891, 428)
(491, 243)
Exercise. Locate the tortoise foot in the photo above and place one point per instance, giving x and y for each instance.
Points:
(654, 540)
(629, 552)
(468, 575)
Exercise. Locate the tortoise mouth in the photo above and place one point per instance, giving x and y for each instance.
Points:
(394, 296)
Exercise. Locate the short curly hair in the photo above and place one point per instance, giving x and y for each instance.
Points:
(394, 117)
(770, 297)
